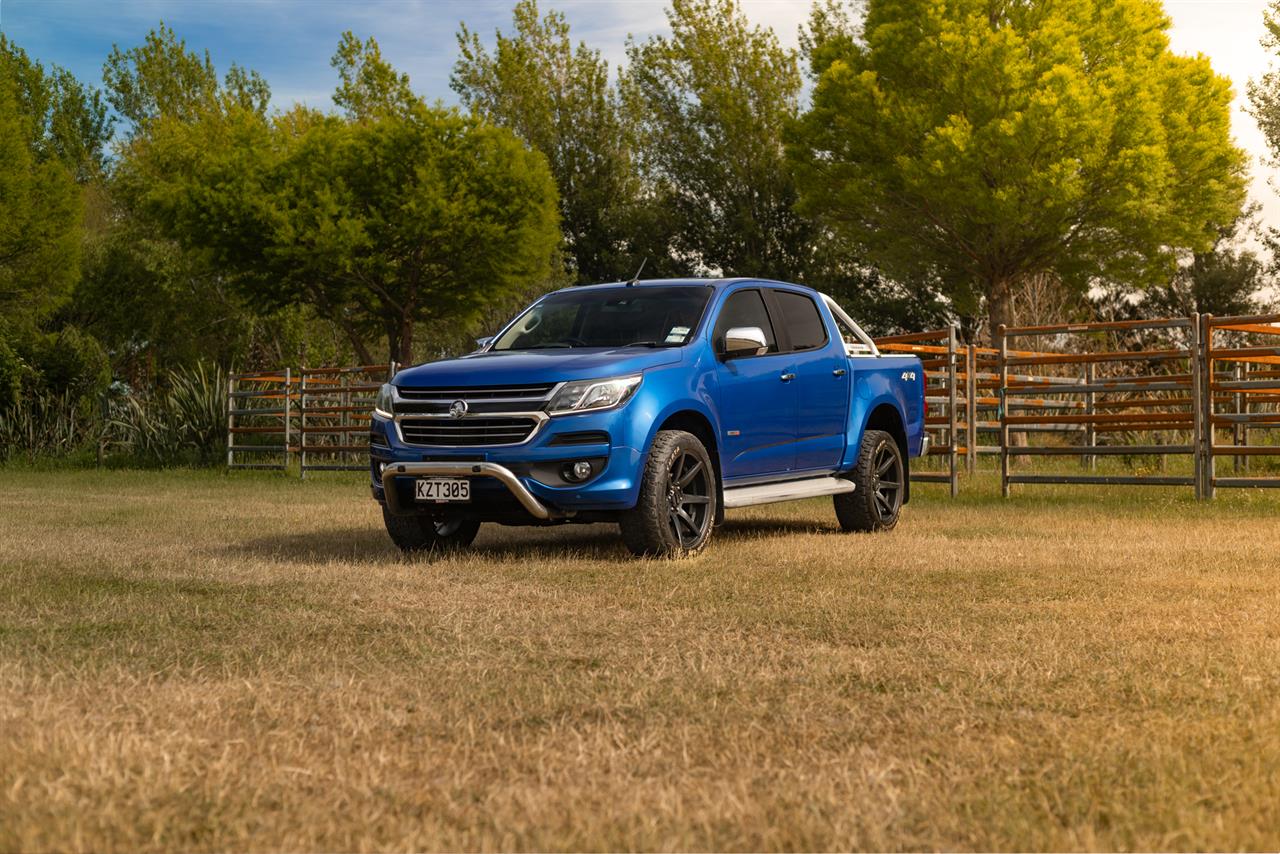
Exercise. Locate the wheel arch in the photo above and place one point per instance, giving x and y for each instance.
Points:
(697, 423)
(885, 416)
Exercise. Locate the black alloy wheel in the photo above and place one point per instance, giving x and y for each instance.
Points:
(688, 499)
(886, 482)
(880, 486)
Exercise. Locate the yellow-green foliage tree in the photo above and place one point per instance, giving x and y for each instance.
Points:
(973, 142)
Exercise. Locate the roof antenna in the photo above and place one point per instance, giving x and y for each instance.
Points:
(636, 277)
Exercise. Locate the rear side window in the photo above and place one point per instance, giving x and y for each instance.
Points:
(800, 316)
(745, 308)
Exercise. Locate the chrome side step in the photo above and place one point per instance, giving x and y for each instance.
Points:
(768, 493)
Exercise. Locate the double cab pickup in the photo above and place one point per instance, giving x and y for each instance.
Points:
(655, 406)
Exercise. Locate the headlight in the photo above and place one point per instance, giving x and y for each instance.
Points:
(585, 395)
(385, 403)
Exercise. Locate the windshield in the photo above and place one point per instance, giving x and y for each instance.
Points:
(609, 317)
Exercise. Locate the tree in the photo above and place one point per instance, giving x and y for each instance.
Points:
(162, 78)
(976, 142)
(710, 103)
(52, 134)
(380, 222)
(558, 100)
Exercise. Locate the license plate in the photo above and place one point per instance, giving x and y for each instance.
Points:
(442, 489)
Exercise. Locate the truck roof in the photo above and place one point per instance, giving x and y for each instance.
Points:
(702, 283)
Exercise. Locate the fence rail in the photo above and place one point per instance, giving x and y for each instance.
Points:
(1198, 387)
(1194, 388)
(321, 415)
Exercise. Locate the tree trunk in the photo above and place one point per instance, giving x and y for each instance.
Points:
(999, 307)
(405, 356)
(357, 343)
(1000, 313)
(400, 338)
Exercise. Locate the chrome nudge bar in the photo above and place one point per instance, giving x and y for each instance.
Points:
(501, 473)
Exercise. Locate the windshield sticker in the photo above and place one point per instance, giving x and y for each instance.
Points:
(677, 335)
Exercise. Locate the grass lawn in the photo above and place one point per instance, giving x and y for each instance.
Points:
(195, 661)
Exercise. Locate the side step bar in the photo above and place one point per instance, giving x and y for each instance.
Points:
(768, 493)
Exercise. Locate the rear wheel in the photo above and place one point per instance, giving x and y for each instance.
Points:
(880, 479)
(677, 505)
(425, 534)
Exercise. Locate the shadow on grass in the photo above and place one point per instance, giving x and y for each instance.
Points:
(497, 543)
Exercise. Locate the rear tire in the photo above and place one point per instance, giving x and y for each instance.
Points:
(424, 534)
(881, 479)
(677, 506)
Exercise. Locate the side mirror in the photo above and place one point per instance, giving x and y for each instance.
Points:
(481, 343)
(745, 341)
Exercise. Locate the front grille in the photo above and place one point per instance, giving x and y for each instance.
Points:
(535, 394)
(459, 432)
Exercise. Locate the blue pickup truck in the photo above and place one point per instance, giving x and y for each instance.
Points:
(655, 406)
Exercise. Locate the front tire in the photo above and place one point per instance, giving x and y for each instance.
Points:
(424, 534)
(881, 480)
(677, 506)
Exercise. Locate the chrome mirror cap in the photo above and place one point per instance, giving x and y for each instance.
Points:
(745, 341)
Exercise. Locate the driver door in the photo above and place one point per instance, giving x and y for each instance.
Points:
(757, 399)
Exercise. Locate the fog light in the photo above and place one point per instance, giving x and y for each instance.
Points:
(577, 472)
(382, 467)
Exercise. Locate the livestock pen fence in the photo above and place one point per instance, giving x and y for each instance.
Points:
(1148, 402)
(318, 416)
(1164, 399)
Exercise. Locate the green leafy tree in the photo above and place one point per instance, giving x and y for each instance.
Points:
(710, 103)
(558, 99)
(52, 134)
(379, 222)
(971, 143)
(162, 78)
(369, 87)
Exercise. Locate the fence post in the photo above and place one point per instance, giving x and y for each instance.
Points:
(971, 409)
(231, 418)
(288, 390)
(1196, 347)
(302, 421)
(1244, 427)
(1090, 429)
(1238, 427)
(1003, 411)
(952, 420)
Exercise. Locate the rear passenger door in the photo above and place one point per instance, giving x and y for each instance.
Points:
(755, 397)
(821, 380)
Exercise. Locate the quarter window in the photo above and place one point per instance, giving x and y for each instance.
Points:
(801, 318)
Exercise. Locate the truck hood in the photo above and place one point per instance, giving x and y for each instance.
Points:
(536, 366)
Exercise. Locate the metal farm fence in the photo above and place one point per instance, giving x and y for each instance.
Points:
(1085, 402)
(321, 415)
(1240, 363)
(1198, 388)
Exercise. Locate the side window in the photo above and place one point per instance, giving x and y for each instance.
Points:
(804, 324)
(744, 308)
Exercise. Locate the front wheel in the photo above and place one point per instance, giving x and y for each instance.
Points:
(880, 479)
(425, 534)
(677, 505)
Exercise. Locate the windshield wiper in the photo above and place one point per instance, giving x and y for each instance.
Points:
(554, 345)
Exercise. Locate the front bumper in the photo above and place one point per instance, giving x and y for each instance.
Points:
(502, 474)
(522, 479)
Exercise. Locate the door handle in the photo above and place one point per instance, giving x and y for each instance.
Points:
(839, 372)
(786, 378)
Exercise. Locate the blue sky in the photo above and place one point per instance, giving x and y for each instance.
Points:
(290, 41)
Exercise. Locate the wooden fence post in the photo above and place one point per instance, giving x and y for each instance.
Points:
(1003, 411)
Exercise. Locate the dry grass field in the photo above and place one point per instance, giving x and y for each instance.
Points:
(199, 662)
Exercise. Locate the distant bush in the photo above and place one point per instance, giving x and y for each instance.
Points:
(181, 423)
(185, 424)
